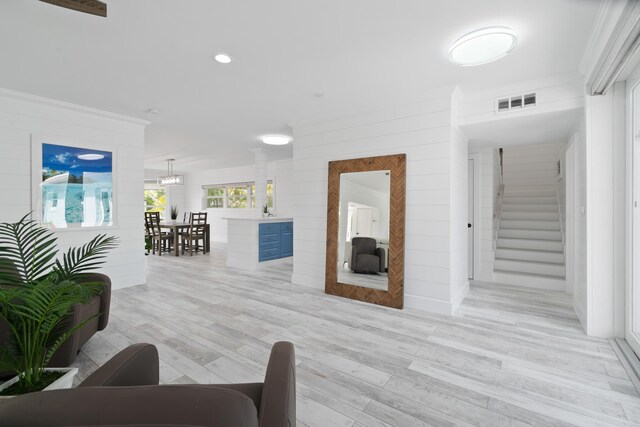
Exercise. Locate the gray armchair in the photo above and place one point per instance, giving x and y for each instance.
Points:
(125, 392)
(366, 257)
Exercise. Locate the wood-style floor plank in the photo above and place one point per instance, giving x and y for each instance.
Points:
(510, 356)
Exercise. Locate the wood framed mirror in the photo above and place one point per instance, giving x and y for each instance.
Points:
(365, 229)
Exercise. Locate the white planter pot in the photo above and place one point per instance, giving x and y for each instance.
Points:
(65, 381)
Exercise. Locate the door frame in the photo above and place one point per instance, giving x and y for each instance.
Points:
(633, 82)
(570, 206)
(475, 157)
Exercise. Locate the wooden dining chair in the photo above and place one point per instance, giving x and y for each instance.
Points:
(196, 233)
(160, 241)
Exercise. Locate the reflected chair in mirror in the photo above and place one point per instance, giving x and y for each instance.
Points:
(196, 233)
(366, 257)
(160, 241)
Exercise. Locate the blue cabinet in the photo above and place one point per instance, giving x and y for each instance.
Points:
(286, 239)
(276, 240)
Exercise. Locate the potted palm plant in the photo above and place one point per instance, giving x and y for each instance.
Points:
(37, 294)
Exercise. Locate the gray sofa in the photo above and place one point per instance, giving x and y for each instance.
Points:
(125, 392)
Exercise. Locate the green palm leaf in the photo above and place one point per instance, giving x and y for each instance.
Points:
(85, 258)
(38, 293)
(29, 247)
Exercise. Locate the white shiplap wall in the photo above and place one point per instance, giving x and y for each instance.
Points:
(21, 116)
(458, 209)
(280, 171)
(435, 168)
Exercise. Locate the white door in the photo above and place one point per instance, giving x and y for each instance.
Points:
(470, 219)
(363, 222)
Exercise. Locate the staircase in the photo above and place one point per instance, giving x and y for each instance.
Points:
(529, 248)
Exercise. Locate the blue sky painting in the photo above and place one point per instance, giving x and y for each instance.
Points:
(61, 159)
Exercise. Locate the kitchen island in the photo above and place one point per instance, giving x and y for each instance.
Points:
(253, 243)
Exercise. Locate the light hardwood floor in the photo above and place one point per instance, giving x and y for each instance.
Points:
(509, 357)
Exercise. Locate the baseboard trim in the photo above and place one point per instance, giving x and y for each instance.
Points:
(530, 281)
(628, 359)
(431, 305)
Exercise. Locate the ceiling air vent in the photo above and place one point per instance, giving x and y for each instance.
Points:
(517, 102)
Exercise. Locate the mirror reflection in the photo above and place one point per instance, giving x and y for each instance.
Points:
(363, 230)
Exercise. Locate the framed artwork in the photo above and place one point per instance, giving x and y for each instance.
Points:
(75, 186)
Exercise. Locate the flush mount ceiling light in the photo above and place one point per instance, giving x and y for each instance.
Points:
(222, 58)
(276, 139)
(91, 156)
(483, 46)
(171, 179)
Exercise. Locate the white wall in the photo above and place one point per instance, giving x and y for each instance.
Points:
(280, 172)
(579, 142)
(21, 116)
(458, 209)
(599, 214)
(605, 148)
(421, 131)
(176, 197)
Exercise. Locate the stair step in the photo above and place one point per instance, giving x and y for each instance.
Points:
(528, 200)
(519, 233)
(530, 255)
(529, 224)
(530, 280)
(545, 216)
(544, 245)
(530, 267)
(530, 192)
(510, 207)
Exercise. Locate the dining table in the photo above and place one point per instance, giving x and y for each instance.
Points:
(176, 227)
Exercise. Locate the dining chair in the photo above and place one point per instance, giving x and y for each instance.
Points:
(186, 217)
(195, 233)
(160, 240)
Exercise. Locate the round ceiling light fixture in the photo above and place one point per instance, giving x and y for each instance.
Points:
(276, 139)
(483, 46)
(222, 58)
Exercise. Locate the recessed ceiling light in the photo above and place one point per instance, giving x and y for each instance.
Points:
(152, 111)
(222, 58)
(483, 46)
(91, 156)
(276, 139)
(318, 95)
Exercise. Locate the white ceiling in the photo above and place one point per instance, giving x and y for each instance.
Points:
(360, 54)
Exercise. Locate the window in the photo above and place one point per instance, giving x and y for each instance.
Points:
(240, 195)
(155, 200)
(269, 195)
(237, 197)
(215, 197)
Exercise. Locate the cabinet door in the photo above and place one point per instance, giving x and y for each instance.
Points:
(270, 236)
(286, 239)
